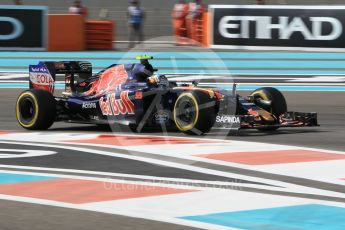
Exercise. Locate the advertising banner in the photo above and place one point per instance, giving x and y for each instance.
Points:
(277, 27)
(23, 27)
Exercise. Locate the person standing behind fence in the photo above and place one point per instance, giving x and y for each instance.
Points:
(180, 13)
(136, 16)
(194, 21)
(18, 2)
(78, 8)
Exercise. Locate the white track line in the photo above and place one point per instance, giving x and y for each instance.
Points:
(281, 186)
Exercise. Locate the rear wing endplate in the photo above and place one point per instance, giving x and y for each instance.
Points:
(43, 75)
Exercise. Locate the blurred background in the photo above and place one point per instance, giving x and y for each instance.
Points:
(158, 12)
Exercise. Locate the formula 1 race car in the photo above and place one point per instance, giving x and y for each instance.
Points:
(133, 95)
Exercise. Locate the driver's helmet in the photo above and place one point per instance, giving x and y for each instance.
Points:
(140, 72)
(147, 65)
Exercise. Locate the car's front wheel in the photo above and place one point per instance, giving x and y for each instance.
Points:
(277, 104)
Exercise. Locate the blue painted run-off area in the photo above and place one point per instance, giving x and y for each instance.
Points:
(311, 217)
(294, 63)
(11, 178)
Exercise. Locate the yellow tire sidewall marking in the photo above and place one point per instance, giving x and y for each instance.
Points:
(262, 94)
(190, 126)
(33, 121)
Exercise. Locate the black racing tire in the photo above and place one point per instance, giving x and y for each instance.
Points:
(36, 109)
(278, 103)
(194, 112)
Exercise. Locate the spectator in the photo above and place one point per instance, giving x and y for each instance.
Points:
(260, 2)
(194, 21)
(136, 16)
(78, 8)
(18, 2)
(180, 13)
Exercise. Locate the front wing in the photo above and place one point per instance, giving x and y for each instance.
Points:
(288, 119)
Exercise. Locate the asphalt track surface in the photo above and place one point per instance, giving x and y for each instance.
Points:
(330, 107)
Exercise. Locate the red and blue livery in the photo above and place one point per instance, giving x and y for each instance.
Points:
(136, 96)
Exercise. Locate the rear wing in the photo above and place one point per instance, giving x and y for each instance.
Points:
(43, 75)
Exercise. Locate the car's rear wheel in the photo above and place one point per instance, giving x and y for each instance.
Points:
(194, 112)
(36, 109)
(277, 106)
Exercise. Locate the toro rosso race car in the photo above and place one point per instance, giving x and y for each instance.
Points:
(133, 95)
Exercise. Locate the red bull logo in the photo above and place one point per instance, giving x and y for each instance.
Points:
(112, 106)
(110, 80)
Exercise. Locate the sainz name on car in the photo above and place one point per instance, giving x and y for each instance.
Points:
(228, 119)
